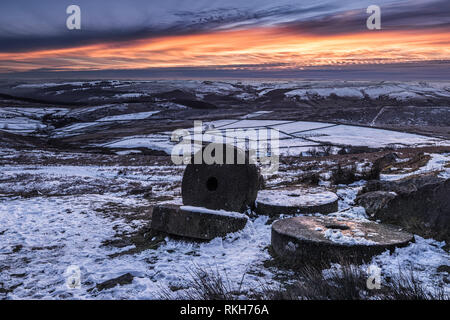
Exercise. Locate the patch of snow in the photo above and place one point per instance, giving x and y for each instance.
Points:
(438, 162)
(129, 116)
(296, 198)
(356, 213)
(371, 137)
(128, 95)
(255, 114)
(74, 127)
(422, 257)
(154, 142)
(325, 92)
(377, 91)
(50, 84)
(213, 212)
(53, 234)
(245, 124)
(127, 152)
(246, 96)
(338, 237)
(404, 96)
(299, 126)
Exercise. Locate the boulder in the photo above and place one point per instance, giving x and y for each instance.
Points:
(419, 204)
(375, 201)
(403, 187)
(195, 222)
(295, 200)
(319, 239)
(385, 161)
(230, 187)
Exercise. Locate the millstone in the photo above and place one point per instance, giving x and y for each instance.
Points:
(296, 200)
(319, 239)
(231, 187)
(195, 222)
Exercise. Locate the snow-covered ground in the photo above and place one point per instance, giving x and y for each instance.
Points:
(398, 91)
(25, 120)
(438, 163)
(129, 116)
(295, 137)
(53, 84)
(41, 236)
(296, 198)
(67, 213)
(154, 142)
(57, 233)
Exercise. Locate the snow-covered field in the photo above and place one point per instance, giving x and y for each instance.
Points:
(25, 120)
(295, 137)
(437, 163)
(42, 235)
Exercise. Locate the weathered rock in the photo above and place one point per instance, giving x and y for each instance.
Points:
(419, 204)
(385, 161)
(307, 239)
(231, 187)
(375, 201)
(404, 186)
(122, 280)
(195, 222)
(296, 200)
(344, 175)
(443, 268)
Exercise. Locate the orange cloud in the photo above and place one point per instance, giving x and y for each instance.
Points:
(257, 46)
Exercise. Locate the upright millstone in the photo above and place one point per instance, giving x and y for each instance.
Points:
(223, 185)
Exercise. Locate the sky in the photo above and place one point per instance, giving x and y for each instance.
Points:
(251, 37)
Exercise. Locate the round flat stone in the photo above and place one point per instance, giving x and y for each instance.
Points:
(323, 238)
(196, 222)
(296, 200)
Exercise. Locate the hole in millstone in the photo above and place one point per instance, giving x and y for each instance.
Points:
(337, 226)
(212, 183)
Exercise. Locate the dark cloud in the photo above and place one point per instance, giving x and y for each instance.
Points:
(178, 22)
(41, 24)
(432, 70)
(406, 16)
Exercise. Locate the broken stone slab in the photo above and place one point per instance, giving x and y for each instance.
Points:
(230, 187)
(307, 239)
(196, 222)
(296, 200)
(419, 204)
(122, 280)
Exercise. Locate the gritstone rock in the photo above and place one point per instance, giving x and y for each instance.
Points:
(419, 204)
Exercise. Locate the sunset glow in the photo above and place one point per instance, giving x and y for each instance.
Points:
(252, 48)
